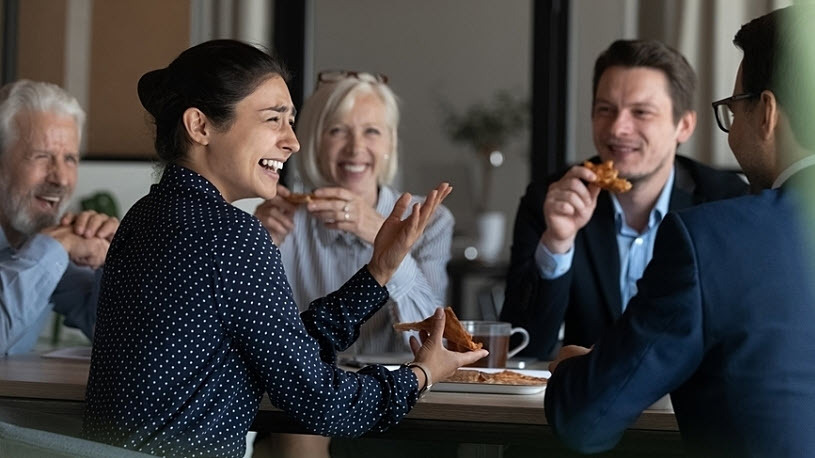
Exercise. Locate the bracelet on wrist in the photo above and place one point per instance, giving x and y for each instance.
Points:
(428, 382)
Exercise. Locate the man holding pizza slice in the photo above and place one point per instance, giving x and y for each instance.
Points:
(725, 313)
(577, 249)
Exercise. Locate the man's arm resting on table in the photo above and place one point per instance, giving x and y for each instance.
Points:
(591, 399)
(76, 296)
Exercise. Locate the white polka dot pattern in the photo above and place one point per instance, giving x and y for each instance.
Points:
(196, 320)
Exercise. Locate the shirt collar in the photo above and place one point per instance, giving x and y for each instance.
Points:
(657, 213)
(795, 167)
(177, 175)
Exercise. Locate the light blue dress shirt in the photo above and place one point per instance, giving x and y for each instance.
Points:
(634, 248)
(319, 260)
(35, 280)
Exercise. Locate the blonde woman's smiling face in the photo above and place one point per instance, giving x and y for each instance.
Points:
(354, 145)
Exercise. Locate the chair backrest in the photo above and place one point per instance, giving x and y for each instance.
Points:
(19, 442)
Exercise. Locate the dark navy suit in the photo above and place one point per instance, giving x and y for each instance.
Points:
(724, 320)
(587, 297)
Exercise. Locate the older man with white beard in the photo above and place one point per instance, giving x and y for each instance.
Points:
(47, 262)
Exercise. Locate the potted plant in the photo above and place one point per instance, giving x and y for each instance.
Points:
(487, 128)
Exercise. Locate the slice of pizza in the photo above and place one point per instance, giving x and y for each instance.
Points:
(505, 377)
(457, 338)
(607, 177)
(298, 199)
(508, 377)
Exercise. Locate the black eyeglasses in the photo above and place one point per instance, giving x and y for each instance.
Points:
(332, 76)
(723, 111)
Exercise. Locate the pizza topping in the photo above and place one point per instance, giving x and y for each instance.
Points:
(494, 378)
(607, 177)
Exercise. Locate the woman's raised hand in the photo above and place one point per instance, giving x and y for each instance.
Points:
(396, 236)
(340, 208)
(277, 215)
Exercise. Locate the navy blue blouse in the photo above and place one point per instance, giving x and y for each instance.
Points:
(196, 321)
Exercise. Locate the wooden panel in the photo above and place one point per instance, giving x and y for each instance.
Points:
(128, 39)
(41, 47)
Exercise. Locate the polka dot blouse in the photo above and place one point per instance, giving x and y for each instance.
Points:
(196, 321)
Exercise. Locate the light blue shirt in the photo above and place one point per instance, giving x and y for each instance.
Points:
(35, 280)
(319, 260)
(634, 248)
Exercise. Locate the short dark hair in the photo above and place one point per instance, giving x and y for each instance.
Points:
(213, 77)
(778, 58)
(657, 55)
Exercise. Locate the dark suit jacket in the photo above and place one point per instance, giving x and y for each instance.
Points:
(724, 320)
(588, 296)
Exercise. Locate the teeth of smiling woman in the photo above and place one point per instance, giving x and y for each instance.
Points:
(271, 164)
(354, 168)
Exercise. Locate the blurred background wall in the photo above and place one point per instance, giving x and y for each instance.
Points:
(444, 51)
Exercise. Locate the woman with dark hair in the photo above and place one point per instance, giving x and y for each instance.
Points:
(196, 319)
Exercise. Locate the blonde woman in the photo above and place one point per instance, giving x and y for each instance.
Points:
(348, 158)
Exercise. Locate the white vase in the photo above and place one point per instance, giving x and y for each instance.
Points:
(490, 229)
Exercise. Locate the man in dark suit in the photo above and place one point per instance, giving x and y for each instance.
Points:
(725, 314)
(577, 251)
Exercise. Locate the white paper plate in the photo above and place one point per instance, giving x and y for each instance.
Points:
(495, 388)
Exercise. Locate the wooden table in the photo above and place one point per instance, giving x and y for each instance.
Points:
(32, 386)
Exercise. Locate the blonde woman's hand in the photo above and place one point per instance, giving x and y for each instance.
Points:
(340, 208)
(277, 215)
(441, 362)
(396, 236)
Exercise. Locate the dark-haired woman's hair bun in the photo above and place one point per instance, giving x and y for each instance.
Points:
(151, 87)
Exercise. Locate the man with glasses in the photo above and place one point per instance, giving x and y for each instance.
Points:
(577, 251)
(725, 312)
(723, 112)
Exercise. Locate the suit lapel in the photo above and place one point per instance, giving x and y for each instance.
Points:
(682, 195)
(601, 248)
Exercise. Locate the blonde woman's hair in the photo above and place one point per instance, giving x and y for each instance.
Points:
(332, 100)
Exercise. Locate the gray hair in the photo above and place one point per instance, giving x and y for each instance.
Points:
(326, 103)
(26, 95)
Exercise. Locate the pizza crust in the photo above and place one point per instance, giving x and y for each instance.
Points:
(298, 199)
(457, 338)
